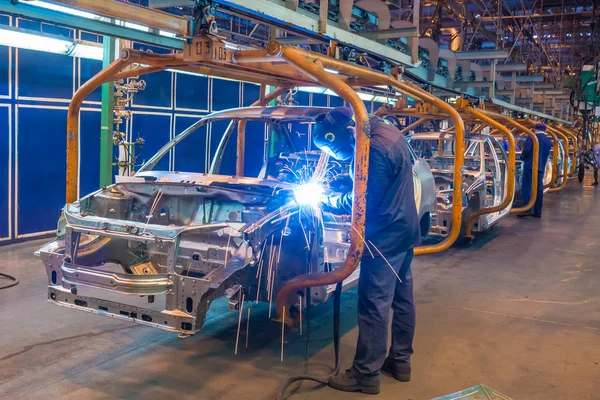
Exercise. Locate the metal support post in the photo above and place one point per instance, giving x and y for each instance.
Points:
(107, 116)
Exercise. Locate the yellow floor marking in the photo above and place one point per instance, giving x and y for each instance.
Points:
(566, 303)
(569, 279)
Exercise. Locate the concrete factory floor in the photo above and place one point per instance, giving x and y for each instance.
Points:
(518, 310)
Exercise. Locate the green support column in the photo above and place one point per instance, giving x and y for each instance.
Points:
(107, 116)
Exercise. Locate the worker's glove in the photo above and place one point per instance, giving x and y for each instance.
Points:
(330, 203)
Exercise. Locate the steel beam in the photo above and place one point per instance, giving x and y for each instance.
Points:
(527, 111)
(132, 12)
(482, 55)
(306, 23)
(28, 11)
(107, 116)
(506, 67)
(170, 3)
(390, 33)
(529, 78)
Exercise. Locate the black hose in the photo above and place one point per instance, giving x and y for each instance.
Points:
(281, 395)
(14, 280)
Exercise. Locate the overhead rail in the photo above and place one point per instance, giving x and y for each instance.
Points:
(527, 111)
(282, 66)
(28, 11)
(160, 26)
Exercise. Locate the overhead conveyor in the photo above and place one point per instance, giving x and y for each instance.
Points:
(281, 66)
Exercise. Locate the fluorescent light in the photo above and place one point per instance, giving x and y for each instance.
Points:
(365, 96)
(186, 72)
(89, 15)
(25, 40)
(86, 51)
(167, 34)
(312, 89)
(132, 25)
(67, 10)
(382, 99)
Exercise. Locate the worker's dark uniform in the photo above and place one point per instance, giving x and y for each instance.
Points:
(527, 157)
(392, 225)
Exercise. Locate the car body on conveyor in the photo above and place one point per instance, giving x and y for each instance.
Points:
(157, 248)
(484, 177)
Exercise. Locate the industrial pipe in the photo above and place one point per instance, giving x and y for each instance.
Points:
(241, 133)
(95, 82)
(414, 125)
(510, 189)
(316, 71)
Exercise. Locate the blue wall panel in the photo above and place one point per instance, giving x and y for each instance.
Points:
(255, 148)
(190, 154)
(157, 92)
(319, 100)
(4, 168)
(156, 131)
(217, 130)
(4, 70)
(251, 93)
(89, 175)
(225, 94)
(88, 69)
(41, 168)
(191, 92)
(335, 101)
(302, 98)
(52, 78)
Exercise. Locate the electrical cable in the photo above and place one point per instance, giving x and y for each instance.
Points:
(14, 280)
(281, 393)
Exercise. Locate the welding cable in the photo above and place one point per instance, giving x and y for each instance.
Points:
(281, 395)
(14, 280)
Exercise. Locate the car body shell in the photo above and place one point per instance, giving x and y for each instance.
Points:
(484, 177)
(157, 248)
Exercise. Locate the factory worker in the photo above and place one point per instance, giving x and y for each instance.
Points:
(392, 226)
(596, 150)
(527, 158)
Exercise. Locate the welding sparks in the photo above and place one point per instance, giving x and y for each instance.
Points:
(309, 194)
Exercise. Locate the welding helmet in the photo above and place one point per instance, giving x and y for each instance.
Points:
(332, 133)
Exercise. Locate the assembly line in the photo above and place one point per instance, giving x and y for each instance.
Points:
(432, 230)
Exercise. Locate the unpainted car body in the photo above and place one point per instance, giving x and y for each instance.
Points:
(159, 247)
(484, 177)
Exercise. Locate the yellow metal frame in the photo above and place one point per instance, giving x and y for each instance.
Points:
(510, 190)
(476, 116)
(428, 114)
(280, 66)
(575, 141)
(536, 154)
(565, 173)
